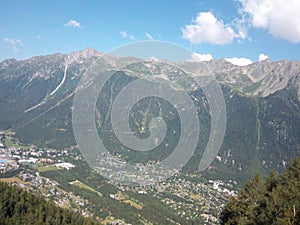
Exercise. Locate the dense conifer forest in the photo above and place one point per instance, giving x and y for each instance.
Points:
(275, 200)
(17, 206)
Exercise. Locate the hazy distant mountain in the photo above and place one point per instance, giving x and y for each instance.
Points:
(262, 101)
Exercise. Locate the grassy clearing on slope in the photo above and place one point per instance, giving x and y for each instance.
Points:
(84, 186)
(46, 168)
(13, 180)
(9, 143)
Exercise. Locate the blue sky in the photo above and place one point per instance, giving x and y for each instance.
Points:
(239, 30)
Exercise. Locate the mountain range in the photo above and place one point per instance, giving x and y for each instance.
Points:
(262, 106)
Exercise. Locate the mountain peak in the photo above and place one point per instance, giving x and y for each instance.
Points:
(86, 53)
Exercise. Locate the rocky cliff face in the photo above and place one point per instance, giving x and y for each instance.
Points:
(257, 79)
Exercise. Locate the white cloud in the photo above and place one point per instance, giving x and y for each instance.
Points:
(14, 43)
(280, 18)
(72, 23)
(206, 28)
(262, 57)
(18, 41)
(125, 35)
(196, 57)
(10, 41)
(149, 36)
(239, 61)
(15, 49)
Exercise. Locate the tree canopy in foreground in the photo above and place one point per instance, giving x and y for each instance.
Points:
(17, 206)
(275, 200)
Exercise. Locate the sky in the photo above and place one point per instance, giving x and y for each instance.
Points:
(241, 31)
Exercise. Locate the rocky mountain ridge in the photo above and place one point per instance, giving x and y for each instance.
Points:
(258, 79)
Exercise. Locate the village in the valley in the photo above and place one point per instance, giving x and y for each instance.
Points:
(23, 165)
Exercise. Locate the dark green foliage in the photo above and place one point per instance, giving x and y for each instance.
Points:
(17, 206)
(273, 201)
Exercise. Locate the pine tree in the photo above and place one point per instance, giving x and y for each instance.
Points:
(273, 201)
(20, 207)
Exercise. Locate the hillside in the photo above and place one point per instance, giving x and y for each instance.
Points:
(262, 105)
(18, 206)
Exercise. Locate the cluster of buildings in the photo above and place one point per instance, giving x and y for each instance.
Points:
(190, 199)
(7, 164)
(12, 157)
(35, 183)
(116, 168)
